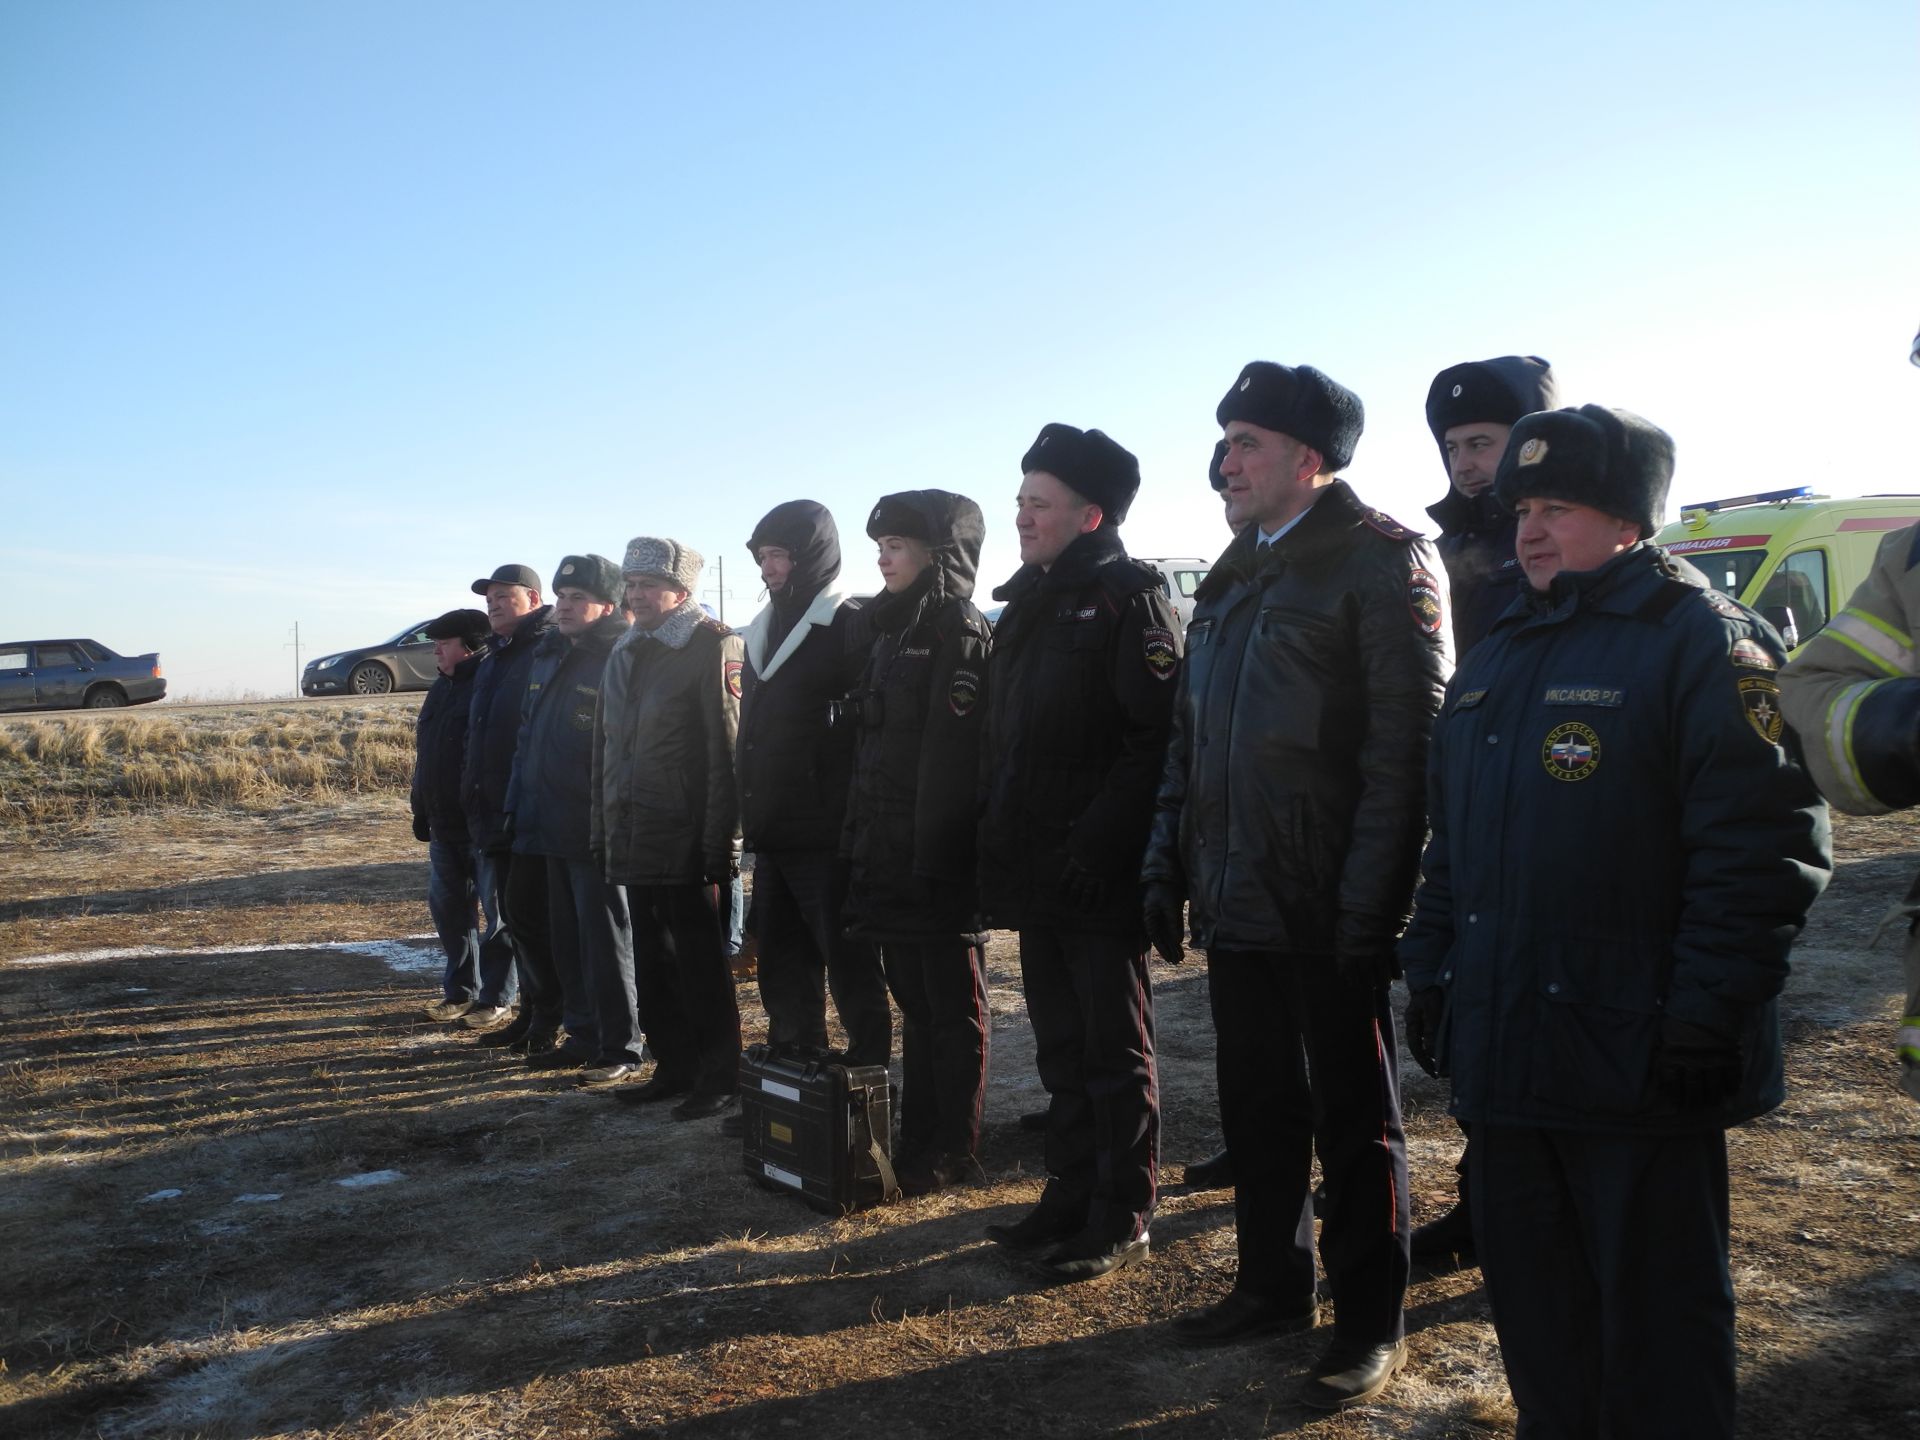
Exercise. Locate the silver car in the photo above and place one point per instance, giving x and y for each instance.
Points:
(403, 663)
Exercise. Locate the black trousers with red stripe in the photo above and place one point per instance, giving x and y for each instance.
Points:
(1091, 1005)
(941, 989)
(1306, 1062)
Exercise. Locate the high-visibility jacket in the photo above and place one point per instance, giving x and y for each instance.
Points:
(1853, 695)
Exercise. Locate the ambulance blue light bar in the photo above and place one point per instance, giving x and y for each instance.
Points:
(1765, 497)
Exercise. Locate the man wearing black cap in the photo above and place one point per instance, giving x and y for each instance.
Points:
(1290, 817)
(1622, 853)
(519, 957)
(440, 742)
(1471, 407)
(1080, 697)
(550, 800)
(794, 766)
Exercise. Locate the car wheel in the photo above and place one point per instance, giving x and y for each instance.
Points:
(106, 697)
(370, 677)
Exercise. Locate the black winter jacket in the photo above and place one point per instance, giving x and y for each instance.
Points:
(440, 749)
(1483, 573)
(912, 809)
(665, 809)
(1292, 807)
(794, 763)
(499, 688)
(1080, 691)
(550, 797)
(1619, 835)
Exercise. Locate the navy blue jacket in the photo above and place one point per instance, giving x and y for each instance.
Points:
(550, 797)
(1619, 835)
(493, 729)
(1483, 573)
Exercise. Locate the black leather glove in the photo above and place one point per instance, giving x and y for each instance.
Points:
(421, 830)
(1083, 889)
(1697, 1069)
(722, 873)
(1424, 1008)
(1375, 966)
(1163, 910)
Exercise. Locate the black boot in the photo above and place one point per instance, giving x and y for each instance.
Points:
(1448, 1239)
(1213, 1173)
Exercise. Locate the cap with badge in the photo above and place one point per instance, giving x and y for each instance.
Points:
(468, 625)
(523, 575)
(1300, 401)
(595, 574)
(1612, 460)
(1489, 392)
(1089, 463)
(653, 558)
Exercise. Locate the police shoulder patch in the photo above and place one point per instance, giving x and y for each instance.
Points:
(1752, 655)
(1423, 600)
(963, 693)
(1162, 657)
(1386, 525)
(730, 672)
(1571, 752)
(1760, 698)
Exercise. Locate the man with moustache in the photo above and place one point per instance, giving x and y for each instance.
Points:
(794, 766)
(1080, 690)
(1290, 817)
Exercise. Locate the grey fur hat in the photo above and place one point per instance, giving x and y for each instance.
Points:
(664, 560)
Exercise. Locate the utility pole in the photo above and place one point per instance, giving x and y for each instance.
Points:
(296, 657)
(719, 590)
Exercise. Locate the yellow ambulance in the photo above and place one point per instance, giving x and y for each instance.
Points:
(1791, 554)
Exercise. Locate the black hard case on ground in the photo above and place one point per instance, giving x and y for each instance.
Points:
(822, 1130)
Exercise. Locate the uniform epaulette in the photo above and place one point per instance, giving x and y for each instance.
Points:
(707, 622)
(1388, 526)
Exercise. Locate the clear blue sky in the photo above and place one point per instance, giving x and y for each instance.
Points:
(315, 311)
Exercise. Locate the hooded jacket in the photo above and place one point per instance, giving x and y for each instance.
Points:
(493, 729)
(793, 762)
(1476, 540)
(1292, 806)
(920, 705)
(550, 797)
(1620, 837)
(665, 810)
(1080, 693)
(440, 749)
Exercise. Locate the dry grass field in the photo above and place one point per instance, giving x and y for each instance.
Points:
(248, 1191)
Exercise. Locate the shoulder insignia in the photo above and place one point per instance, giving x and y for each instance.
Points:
(1760, 698)
(1723, 606)
(1162, 657)
(1423, 600)
(1752, 655)
(1388, 526)
(963, 693)
(731, 673)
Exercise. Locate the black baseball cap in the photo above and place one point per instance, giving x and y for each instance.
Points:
(510, 575)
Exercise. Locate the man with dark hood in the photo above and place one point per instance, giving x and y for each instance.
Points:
(1471, 408)
(794, 765)
(1079, 700)
(910, 821)
(1623, 848)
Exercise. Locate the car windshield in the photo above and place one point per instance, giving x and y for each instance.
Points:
(1728, 571)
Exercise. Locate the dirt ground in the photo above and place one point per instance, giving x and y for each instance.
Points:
(180, 1118)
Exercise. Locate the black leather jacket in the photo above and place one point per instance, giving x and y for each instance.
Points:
(1292, 807)
(493, 729)
(1080, 692)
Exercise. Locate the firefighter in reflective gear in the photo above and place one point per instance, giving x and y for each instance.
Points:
(1853, 695)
